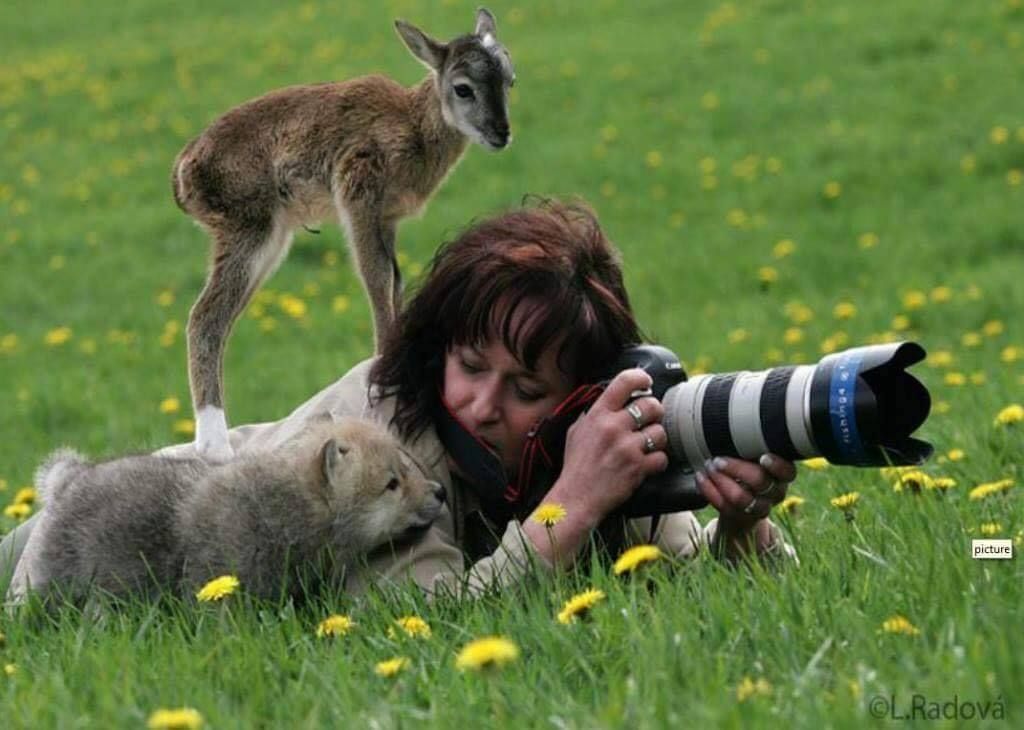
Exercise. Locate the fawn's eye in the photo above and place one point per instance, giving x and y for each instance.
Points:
(392, 485)
(463, 91)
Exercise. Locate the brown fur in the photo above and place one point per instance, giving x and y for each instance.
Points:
(368, 151)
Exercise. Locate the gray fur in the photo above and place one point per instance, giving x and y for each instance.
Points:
(146, 525)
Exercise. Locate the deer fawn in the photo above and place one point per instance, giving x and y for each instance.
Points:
(367, 150)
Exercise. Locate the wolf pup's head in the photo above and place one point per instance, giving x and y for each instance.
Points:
(375, 489)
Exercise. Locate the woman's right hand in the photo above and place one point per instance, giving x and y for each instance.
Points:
(611, 449)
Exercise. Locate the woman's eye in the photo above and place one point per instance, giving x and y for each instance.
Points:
(469, 367)
(463, 91)
(528, 395)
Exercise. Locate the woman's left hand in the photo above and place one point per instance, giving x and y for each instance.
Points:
(744, 492)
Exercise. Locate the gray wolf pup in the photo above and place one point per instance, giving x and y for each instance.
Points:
(143, 525)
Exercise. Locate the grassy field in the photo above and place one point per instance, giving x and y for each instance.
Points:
(784, 179)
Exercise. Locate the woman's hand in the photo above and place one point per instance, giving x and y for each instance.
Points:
(744, 493)
(609, 451)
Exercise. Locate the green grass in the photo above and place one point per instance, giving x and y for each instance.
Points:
(901, 103)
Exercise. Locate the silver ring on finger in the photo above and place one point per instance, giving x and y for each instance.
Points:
(638, 415)
(769, 489)
(649, 445)
(749, 509)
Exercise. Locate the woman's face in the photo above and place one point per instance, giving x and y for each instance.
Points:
(498, 398)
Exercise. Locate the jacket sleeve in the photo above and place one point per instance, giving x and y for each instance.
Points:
(436, 564)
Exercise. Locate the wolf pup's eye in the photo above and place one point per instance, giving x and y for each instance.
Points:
(463, 91)
(392, 485)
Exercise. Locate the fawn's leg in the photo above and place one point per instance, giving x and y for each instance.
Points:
(372, 241)
(243, 259)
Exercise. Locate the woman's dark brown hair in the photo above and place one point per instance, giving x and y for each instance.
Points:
(550, 257)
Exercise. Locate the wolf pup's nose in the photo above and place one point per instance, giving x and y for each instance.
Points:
(439, 492)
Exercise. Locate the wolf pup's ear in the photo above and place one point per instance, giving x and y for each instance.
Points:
(430, 52)
(334, 455)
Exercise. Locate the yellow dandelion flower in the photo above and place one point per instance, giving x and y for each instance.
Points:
(486, 652)
(653, 159)
(184, 718)
(914, 299)
(989, 488)
(844, 310)
(1014, 177)
(832, 190)
(816, 464)
(867, 240)
(709, 101)
(633, 558)
(941, 406)
(170, 405)
(913, 480)
(900, 322)
(845, 501)
(1011, 353)
(990, 528)
(956, 455)
(899, 625)
(970, 339)
(748, 688)
(10, 669)
(579, 605)
(978, 377)
(184, 427)
(999, 135)
(165, 298)
(940, 359)
(26, 495)
(792, 335)
(413, 626)
(336, 625)
(18, 512)
(58, 336)
(955, 378)
(1011, 414)
(549, 514)
(941, 294)
(941, 484)
(773, 165)
(218, 588)
(790, 505)
(894, 472)
(783, 248)
(799, 313)
(391, 667)
(767, 275)
(292, 306)
(993, 327)
(340, 304)
(968, 164)
(738, 335)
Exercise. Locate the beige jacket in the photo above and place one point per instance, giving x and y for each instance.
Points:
(435, 561)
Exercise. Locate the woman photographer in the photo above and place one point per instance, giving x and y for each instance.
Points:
(516, 313)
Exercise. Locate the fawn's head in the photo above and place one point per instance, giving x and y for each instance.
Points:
(474, 73)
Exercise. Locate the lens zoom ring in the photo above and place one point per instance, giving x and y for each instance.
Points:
(715, 416)
(773, 413)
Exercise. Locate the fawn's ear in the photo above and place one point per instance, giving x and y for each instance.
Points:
(334, 457)
(430, 52)
(485, 24)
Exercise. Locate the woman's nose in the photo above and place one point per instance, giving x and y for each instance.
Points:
(486, 405)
